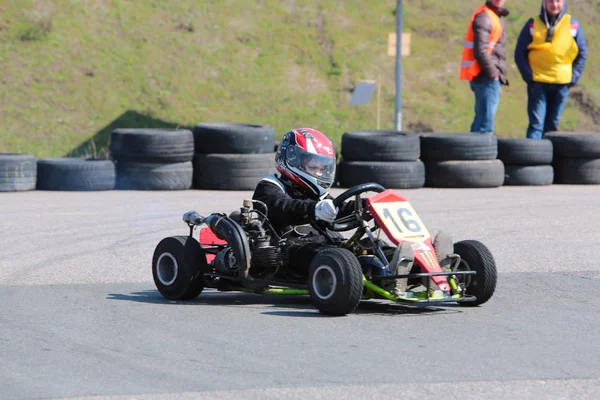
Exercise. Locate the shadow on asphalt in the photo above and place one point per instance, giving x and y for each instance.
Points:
(295, 306)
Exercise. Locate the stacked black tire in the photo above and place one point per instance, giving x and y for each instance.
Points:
(527, 162)
(461, 160)
(75, 174)
(232, 156)
(390, 158)
(18, 172)
(153, 159)
(576, 157)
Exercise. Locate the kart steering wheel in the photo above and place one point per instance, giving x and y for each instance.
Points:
(342, 224)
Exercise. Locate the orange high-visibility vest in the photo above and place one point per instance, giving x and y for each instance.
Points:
(469, 67)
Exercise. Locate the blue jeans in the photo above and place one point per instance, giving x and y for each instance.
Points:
(545, 105)
(487, 98)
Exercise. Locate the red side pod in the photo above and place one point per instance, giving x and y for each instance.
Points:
(208, 238)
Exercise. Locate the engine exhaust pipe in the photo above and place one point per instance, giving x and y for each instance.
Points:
(228, 230)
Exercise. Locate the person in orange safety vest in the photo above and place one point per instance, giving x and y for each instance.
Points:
(483, 62)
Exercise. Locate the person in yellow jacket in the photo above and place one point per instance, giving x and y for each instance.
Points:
(551, 53)
(483, 62)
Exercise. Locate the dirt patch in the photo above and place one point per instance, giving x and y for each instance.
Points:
(418, 127)
(586, 105)
(433, 33)
(185, 27)
(323, 39)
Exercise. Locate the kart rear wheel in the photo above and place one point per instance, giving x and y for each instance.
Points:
(475, 256)
(177, 267)
(335, 281)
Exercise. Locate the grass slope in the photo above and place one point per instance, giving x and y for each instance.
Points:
(72, 70)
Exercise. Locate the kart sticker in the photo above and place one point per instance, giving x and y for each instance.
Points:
(420, 246)
(401, 221)
(429, 259)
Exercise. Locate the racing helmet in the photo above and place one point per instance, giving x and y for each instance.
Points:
(306, 156)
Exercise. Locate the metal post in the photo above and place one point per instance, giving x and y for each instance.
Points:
(398, 110)
(378, 100)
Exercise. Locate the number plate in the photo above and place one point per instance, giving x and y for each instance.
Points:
(399, 221)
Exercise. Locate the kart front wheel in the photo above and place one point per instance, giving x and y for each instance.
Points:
(177, 267)
(476, 257)
(335, 281)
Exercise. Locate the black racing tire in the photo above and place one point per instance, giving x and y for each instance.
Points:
(458, 146)
(18, 172)
(178, 265)
(154, 176)
(528, 175)
(475, 256)
(575, 144)
(380, 145)
(75, 174)
(389, 174)
(464, 174)
(231, 171)
(577, 171)
(335, 281)
(152, 145)
(225, 137)
(525, 151)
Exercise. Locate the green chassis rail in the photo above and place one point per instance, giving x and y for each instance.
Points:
(427, 296)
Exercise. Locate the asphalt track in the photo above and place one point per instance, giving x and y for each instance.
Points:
(80, 316)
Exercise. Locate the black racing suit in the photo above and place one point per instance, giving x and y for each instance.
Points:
(288, 208)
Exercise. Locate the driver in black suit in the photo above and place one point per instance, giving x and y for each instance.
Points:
(298, 194)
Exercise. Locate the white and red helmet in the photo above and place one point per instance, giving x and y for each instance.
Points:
(307, 157)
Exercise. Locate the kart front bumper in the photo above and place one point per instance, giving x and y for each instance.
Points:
(424, 297)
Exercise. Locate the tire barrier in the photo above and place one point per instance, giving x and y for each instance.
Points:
(380, 146)
(231, 171)
(153, 159)
(232, 156)
(18, 172)
(576, 157)
(389, 158)
(154, 176)
(464, 174)
(461, 160)
(458, 146)
(152, 145)
(75, 174)
(233, 138)
(527, 162)
(242, 154)
(389, 174)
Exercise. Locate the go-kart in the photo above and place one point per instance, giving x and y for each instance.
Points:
(242, 252)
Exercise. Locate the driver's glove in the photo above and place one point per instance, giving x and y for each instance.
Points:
(326, 211)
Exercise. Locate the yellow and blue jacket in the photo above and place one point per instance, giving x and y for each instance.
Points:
(551, 51)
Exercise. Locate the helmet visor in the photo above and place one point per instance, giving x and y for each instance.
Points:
(318, 166)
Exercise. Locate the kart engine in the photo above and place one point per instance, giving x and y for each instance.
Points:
(266, 258)
(251, 249)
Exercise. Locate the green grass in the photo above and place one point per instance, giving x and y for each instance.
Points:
(73, 70)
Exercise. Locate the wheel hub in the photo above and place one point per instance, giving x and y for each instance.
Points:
(324, 282)
(167, 269)
(464, 279)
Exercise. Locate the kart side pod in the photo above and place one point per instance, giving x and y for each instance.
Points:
(226, 229)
